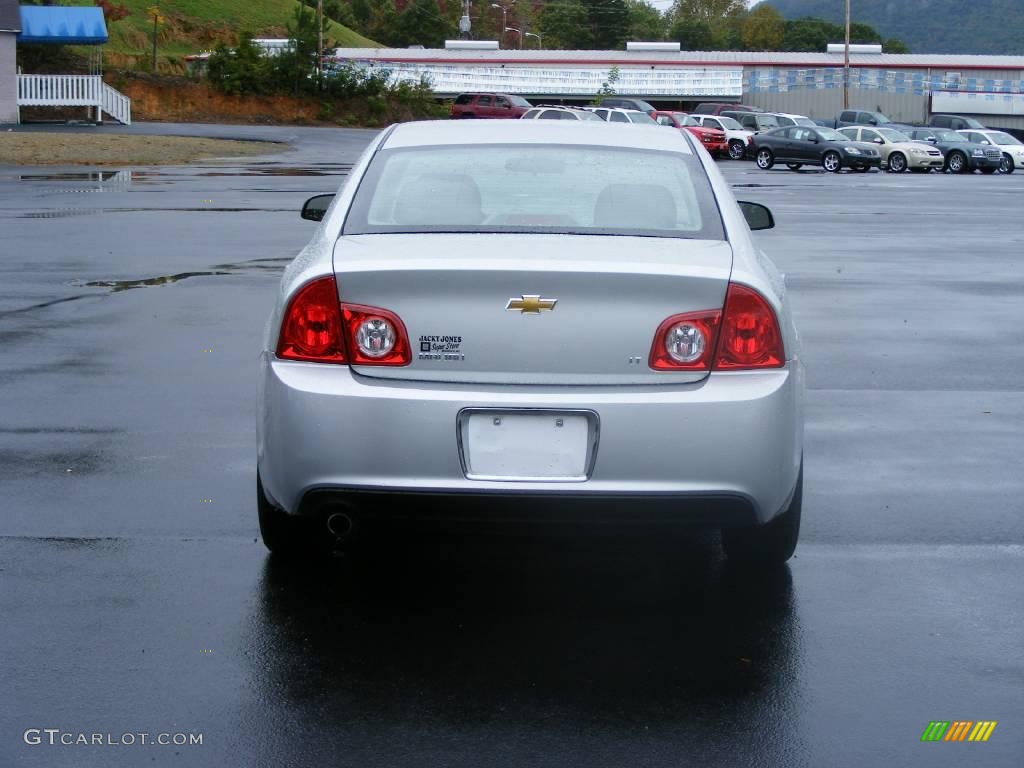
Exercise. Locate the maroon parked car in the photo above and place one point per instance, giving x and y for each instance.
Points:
(490, 106)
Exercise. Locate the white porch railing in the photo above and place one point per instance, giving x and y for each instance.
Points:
(73, 91)
(117, 105)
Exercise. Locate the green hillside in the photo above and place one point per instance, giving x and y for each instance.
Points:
(928, 26)
(194, 25)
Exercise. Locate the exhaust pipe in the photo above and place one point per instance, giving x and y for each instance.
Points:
(341, 525)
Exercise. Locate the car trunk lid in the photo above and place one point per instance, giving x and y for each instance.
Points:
(532, 308)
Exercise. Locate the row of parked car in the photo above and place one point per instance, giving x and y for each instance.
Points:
(856, 139)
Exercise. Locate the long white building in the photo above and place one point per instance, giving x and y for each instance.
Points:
(907, 87)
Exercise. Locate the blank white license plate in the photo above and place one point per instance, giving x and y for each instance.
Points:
(534, 445)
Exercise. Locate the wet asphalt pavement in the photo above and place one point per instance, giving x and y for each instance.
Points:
(136, 598)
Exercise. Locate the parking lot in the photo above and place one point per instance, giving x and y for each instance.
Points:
(136, 596)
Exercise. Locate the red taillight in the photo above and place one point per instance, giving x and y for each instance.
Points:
(744, 336)
(375, 336)
(685, 342)
(318, 328)
(311, 329)
(750, 335)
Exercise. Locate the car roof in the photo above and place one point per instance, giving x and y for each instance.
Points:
(582, 133)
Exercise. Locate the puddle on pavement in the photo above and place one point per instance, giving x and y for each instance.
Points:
(265, 264)
(340, 169)
(126, 285)
(62, 213)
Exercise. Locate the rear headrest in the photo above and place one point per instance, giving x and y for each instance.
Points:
(439, 198)
(635, 206)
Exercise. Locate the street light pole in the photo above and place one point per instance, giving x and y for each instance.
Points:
(518, 32)
(540, 38)
(846, 61)
(504, 14)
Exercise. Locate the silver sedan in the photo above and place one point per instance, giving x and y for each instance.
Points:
(533, 321)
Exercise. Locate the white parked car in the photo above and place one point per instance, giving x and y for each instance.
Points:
(619, 115)
(559, 113)
(1010, 146)
(739, 138)
(518, 320)
(786, 119)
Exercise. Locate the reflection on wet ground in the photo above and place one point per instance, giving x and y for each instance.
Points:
(272, 265)
(133, 176)
(514, 634)
(62, 213)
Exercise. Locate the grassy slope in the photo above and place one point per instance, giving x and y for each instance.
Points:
(194, 25)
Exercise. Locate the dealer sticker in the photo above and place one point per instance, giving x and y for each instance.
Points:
(441, 348)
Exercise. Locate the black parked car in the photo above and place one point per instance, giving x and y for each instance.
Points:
(961, 155)
(800, 145)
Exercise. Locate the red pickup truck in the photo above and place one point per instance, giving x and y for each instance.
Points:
(493, 106)
(712, 139)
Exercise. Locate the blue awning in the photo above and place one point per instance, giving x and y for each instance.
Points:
(62, 25)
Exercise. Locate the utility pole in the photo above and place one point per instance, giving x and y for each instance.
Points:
(465, 25)
(504, 19)
(319, 43)
(846, 61)
(154, 11)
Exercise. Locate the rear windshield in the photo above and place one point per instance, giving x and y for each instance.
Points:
(464, 98)
(572, 189)
(642, 118)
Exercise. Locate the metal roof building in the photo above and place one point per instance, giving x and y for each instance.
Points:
(907, 87)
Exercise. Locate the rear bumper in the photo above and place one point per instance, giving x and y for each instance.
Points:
(731, 442)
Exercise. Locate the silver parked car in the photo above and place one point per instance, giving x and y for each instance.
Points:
(531, 320)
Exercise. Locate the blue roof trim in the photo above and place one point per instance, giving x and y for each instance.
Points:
(62, 25)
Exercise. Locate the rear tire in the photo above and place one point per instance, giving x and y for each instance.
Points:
(468, 116)
(737, 150)
(957, 163)
(765, 159)
(831, 162)
(283, 534)
(794, 166)
(1006, 164)
(769, 544)
(897, 162)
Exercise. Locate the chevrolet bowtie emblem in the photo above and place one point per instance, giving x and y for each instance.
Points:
(530, 304)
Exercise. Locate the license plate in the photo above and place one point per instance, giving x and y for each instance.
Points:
(525, 445)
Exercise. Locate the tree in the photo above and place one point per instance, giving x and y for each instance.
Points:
(609, 23)
(645, 21)
(296, 66)
(565, 25)
(707, 24)
(420, 24)
(692, 36)
(763, 29)
(809, 34)
(893, 45)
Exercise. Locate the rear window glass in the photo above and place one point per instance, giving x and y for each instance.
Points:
(465, 98)
(572, 189)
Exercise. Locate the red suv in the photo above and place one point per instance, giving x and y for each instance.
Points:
(712, 139)
(490, 105)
